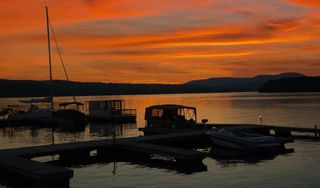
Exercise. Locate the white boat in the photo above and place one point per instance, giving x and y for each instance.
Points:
(245, 139)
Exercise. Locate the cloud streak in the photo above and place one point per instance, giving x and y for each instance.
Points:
(171, 41)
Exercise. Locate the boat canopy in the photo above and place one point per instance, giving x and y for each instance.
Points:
(171, 112)
(70, 103)
(107, 104)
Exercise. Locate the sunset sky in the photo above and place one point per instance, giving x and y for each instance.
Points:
(160, 41)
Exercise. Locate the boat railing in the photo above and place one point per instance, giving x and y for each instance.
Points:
(129, 112)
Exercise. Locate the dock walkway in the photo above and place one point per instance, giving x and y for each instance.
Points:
(313, 133)
(16, 162)
(33, 173)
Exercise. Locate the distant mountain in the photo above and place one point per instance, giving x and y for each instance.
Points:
(30, 88)
(302, 84)
(240, 84)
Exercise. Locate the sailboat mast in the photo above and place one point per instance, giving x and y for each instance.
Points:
(49, 53)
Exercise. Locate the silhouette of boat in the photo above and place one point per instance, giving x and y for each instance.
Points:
(111, 111)
(247, 138)
(170, 116)
(4, 112)
(69, 114)
(47, 116)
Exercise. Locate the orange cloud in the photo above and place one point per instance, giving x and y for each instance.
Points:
(314, 3)
(165, 41)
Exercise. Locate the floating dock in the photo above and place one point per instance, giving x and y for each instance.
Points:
(16, 164)
(295, 132)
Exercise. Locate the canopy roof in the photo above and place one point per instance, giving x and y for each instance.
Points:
(36, 100)
(70, 103)
(170, 106)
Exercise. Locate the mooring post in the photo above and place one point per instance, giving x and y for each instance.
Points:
(315, 131)
(260, 117)
(114, 139)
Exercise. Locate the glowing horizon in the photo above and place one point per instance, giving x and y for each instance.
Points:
(172, 41)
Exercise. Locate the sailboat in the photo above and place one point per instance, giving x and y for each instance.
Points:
(49, 116)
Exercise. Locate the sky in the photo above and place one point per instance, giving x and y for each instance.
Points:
(167, 41)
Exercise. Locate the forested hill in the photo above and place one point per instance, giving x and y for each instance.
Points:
(302, 84)
(29, 88)
(241, 84)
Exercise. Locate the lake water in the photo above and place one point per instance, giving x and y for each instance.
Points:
(297, 169)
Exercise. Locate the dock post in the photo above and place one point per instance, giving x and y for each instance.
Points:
(114, 139)
(61, 183)
(74, 155)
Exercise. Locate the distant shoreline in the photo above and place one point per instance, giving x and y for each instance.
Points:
(30, 88)
(289, 93)
(61, 96)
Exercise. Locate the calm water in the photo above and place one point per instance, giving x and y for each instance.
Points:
(298, 169)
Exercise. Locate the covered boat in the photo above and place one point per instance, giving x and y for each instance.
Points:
(30, 114)
(170, 116)
(111, 111)
(70, 113)
(4, 112)
(36, 114)
(246, 139)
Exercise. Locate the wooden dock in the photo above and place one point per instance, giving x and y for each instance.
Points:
(17, 163)
(32, 173)
(281, 131)
(295, 132)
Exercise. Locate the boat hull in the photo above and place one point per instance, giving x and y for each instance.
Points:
(43, 117)
(69, 118)
(48, 117)
(253, 143)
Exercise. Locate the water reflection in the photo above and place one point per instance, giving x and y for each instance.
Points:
(22, 136)
(171, 166)
(139, 161)
(227, 158)
(107, 130)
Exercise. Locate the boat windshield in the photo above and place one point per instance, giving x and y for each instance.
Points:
(174, 113)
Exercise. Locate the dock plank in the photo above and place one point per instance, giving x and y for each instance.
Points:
(294, 129)
(35, 151)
